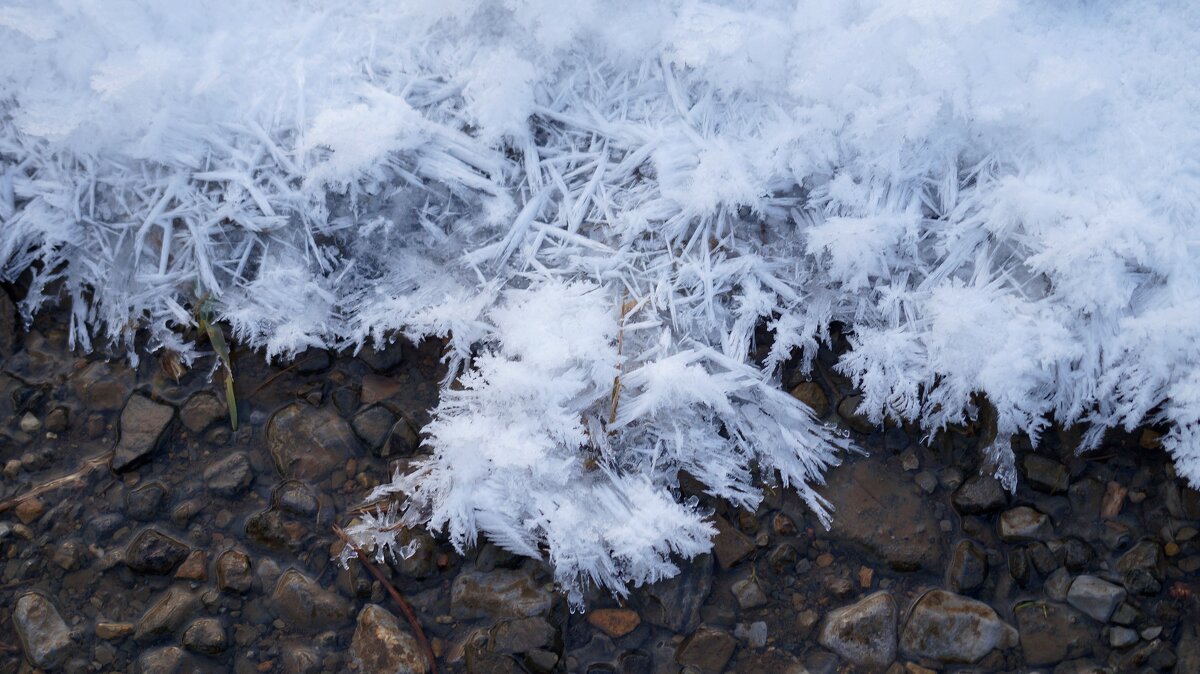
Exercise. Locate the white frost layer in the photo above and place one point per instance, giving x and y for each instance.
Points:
(999, 198)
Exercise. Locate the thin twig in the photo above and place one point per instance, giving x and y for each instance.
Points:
(87, 467)
(408, 612)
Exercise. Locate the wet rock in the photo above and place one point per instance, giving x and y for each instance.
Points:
(1155, 655)
(144, 424)
(968, 567)
(272, 529)
(863, 633)
(749, 593)
(978, 495)
(233, 572)
(675, 603)
(8, 326)
(58, 420)
(231, 475)
(383, 357)
(811, 394)
(195, 567)
(1058, 584)
(206, 635)
(1077, 554)
(300, 659)
(373, 425)
(30, 423)
(1122, 637)
(847, 409)
(707, 649)
(102, 387)
(421, 562)
(167, 614)
(1018, 566)
(1051, 632)
(308, 442)
(43, 634)
(154, 553)
(951, 628)
(1141, 568)
(1046, 475)
(1095, 597)
(498, 594)
(782, 557)
(522, 635)
(30, 510)
(166, 660)
(306, 606)
(1025, 524)
(201, 411)
(730, 545)
(145, 502)
(381, 646)
(110, 631)
(615, 622)
(882, 511)
(295, 497)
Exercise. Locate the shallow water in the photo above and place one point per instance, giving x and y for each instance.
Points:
(137, 562)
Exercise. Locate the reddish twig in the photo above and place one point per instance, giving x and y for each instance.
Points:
(404, 607)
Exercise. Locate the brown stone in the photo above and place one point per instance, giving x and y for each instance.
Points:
(811, 394)
(29, 510)
(1114, 498)
(113, 631)
(308, 442)
(195, 567)
(730, 545)
(381, 646)
(615, 622)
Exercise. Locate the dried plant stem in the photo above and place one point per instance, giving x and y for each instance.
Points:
(74, 478)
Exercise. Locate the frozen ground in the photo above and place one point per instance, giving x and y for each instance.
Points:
(600, 203)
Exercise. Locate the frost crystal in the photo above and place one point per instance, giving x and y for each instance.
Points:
(598, 205)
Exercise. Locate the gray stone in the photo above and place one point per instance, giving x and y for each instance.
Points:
(522, 635)
(144, 424)
(306, 606)
(206, 635)
(749, 593)
(201, 411)
(951, 628)
(498, 594)
(882, 511)
(1095, 597)
(300, 659)
(167, 614)
(44, 636)
(1052, 632)
(1046, 475)
(1122, 637)
(980, 494)
(231, 475)
(1141, 568)
(154, 553)
(145, 502)
(373, 425)
(382, 646)
(1025, 524)
(1058, 584)
(308, 442)
(707, 650)
(968, 567)
(863, 633)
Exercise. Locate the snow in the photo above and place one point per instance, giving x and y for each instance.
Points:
(598, 204)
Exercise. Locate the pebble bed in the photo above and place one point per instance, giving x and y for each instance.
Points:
(176, 544)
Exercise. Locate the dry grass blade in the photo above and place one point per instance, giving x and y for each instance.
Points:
(396, 597)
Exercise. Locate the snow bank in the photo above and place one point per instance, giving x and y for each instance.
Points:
(598, 203)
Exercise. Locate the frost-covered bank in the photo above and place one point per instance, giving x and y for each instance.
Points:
(603, 202)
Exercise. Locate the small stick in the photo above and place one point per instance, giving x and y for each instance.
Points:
(408, 612)
(87, 467)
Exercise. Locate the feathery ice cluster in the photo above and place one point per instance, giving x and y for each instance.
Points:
(599, 203)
